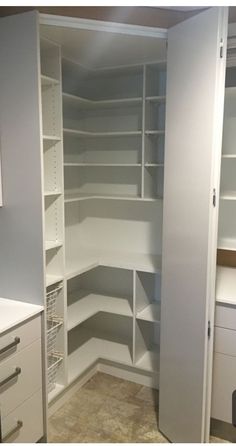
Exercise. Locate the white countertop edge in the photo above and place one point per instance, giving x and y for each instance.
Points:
(14, 312)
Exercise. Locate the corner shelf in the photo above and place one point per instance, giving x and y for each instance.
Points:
(89, 303)
(74, 197)
(106, 103)
(84, 134)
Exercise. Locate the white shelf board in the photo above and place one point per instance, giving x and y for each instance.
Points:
(49, 193)
(56, 391)
(92, 303)
(89, 259)
(229, 155)
(73, 197)
(228, 195)
(108, 103)
(226, 285)
(102, 165)
(51, 279)
(84, 134)
(149, 361)
(154, 132)
(47, 81)
(150, 313)
(91, 351)
(227, 244)
(156, 99)
(154, 165)
(51, 138)
(52, 244)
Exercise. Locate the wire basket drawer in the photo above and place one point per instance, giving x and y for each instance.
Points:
(54, 362)
(51, 300)
(52, 330)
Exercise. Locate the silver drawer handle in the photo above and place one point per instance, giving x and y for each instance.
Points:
(19, 425)
(10, 377)
(11, 345)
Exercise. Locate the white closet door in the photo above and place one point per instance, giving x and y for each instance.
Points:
(194, 117)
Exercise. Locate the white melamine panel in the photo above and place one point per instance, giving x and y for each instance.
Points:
(148, 295)
(50, 61)
(225, 341)
(101, 180)
(54, 262)
(227, 229)
(53, 218)
(128, 227)
(53, 166)
(224, 384)
(194, 120)
(226, 285)
(146, 346)
(29, 381)
(106, 150)
(51, 102)
(30, 414)
(225, 316)
(27, 333)
(228, 180)
(228, 146)
(21, 230)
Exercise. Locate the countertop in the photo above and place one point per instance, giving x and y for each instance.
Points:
(13, 312)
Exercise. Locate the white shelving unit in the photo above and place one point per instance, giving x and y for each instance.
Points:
(51, 97)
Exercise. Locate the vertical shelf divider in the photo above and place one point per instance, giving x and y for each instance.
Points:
(143, 130)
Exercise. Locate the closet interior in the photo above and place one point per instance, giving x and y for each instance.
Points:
(103, 151)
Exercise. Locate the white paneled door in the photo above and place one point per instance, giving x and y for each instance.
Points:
(194, 118)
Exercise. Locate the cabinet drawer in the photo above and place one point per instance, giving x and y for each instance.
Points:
(224, 383)
(25, 423)
(26, 333)
(225, 316)
(225, 341)
(24, 384)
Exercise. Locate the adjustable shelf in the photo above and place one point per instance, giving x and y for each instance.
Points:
(155, 99)
(53, 279)
(87, 303)
(49, 193)
(51, 138)
(226, 285)
(72, 100)
(154, 132)
(52, 244)
(74, 197)
(228, 195)
(84, 134)
(150, 313)
(47, 81)
(229, 155)
(227, 244)
(89, 259)
(102, 164)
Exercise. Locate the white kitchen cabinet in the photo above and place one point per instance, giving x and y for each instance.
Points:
(82, 223)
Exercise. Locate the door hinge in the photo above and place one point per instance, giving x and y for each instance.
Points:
(209, 329)
(221, 49)
(214, 198)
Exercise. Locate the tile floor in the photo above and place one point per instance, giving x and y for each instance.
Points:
(108, 410)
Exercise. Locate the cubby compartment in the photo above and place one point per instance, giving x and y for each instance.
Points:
(153, 181)
(54, 262)
(53, 169)
(227, 227)
(155, 115)
(229, 128)
(50, 60)
(154, 150)
(100, 180)
(148, 295)
(53, 221)
(155, 80)
(146, 345)
(228, 178)
(104, 336)
(103, 289)
(51, 103)
(99, 85)
(107, 151)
